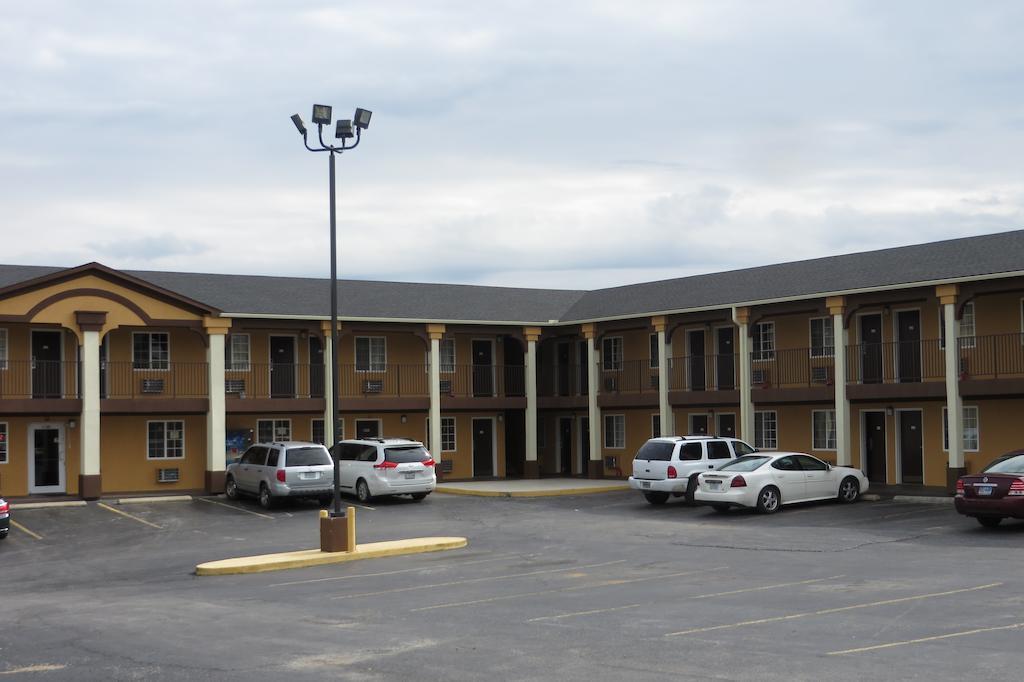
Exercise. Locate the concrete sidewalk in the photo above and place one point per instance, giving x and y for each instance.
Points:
(536, 487)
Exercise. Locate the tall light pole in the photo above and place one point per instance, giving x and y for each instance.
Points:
(344, 132)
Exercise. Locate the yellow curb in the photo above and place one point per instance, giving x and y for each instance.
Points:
(314, 557)
(47, 505)
(147, 500)
(529, 493)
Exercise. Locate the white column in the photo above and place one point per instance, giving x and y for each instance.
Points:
(740, 316)
(596, 464)
(840, 339)
(954, 409)
(216, 431)
(89, 429)
(330, 412)
(664, 411)
(531, 403)
(435, 397)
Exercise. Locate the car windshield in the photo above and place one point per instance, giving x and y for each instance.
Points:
(406, 454)
(745, 463)
(1007, 465)
(306, 457)
(655, 451)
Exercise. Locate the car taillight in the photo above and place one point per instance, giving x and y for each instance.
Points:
(959, 486)
(4, 507)
(280, 475)
(672, 471)
(385, 465)
(428, 463)
(738, 482)
(1017, 487)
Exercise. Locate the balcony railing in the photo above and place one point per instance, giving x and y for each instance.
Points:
(895, 362)
(703, 373)
(120, 380)
(562, 381)
(40, 379)
(631, 376)
(999, 356)
(793, 368)
(275, 380)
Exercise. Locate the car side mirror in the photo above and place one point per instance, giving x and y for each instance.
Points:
(828, 467)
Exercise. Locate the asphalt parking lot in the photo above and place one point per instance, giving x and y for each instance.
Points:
(574, 588)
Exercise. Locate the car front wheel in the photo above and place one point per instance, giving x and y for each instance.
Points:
(231, 489)
(849, 490)
(990, 521)
(769, 500)
(656, 498)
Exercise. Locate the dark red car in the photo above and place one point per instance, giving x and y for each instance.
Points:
(994, 494)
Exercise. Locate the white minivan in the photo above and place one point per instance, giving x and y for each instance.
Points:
(668, 466)
(372, 467)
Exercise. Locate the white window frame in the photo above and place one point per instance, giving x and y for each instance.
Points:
(454, 435)
(763, 352)
(611, 359)
(830, 437)
(447, 366)
(827, 350)
(655, 349)
(617, 433)
(967, 410)
(312, 432)
(763, 445)
(274, 424)
(371, 367)
(3, 348)
(149, 361)
(165, 423)
(230, 364)
(5, 442)
(656, 419)
(966, 328)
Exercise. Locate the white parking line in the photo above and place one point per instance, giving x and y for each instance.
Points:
(925, 639)
(129, 516)
(404, 570)
(237, 509)
(38, 668)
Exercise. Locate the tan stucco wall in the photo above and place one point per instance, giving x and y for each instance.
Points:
(124, 466)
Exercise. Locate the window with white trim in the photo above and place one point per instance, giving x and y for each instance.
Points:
(763, 341)
(611, 353)
(965, 328)
(446, 352)
(766, 430)
(273, 430)
(236, 353)
(655, 426)
(371, 354)
(823, 430)
(972, 433)
(3, 442)
(151, 350)
(822, 343)
(654, 351)
(316, 431)
(166, 440)
(3, 349)
(615, 431)
(447, 434)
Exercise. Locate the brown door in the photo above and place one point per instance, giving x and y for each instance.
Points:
(282, 367)
(696, 367)
(483, 369)
(698, 424)
(46, 364)
(581, 369)
(564, 368)
(871, 349)
(908, 346)
(316, 367)
(911, 460)
(483, 447)
(727, 425)
(874, 446)
(565, 445)
(585, 446)
(726, 366)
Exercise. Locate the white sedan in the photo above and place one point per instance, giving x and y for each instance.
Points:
(768, 480)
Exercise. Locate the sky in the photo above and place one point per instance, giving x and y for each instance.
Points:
(563, 144)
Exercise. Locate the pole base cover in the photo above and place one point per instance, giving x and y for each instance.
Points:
(338, 533)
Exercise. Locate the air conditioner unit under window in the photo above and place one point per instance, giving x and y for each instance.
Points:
(168, 475)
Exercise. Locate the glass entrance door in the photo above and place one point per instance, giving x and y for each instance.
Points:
(46, 458)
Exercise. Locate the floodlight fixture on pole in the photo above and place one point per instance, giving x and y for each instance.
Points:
(343, 132)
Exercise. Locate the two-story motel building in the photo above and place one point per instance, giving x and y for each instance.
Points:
(905, 362)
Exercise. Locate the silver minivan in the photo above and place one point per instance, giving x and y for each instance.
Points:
(668, 466)
(372, 467)
(272, 471)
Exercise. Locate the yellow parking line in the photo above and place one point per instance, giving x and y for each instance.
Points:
(130, 516)
(794, 616)
(403, 570)
(924, 639)
(237, 509)
(603, 583)
(23, 529)
(477, 580)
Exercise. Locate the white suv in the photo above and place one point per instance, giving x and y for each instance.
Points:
(371, 467)
(669, 465)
